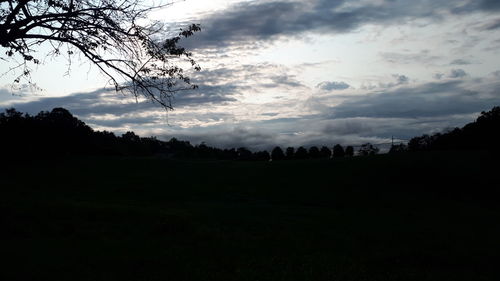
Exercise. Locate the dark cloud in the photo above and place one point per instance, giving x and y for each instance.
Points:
(457, 73)
(401, 79)
(286, 80)
(427, 100)
(124, 121)
(262, 138)
(107, 101)
(78, 103)
(460, 62)
(253, 21)
(254, 139)
(492, 25)
(271, 114)
(438, 76)
(333, 86)
(319, 131)
(491, 6)
(354, 131)
(349, 126)
(206, 94)
(424, 57)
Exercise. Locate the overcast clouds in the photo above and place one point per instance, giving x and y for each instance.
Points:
(313, 73)
(256, 21)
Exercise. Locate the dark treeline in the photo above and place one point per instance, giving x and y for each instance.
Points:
(483, 134)
(59, 133)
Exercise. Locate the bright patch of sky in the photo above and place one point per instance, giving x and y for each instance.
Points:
(189, 10)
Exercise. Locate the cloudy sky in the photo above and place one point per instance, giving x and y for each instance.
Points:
(315, 72)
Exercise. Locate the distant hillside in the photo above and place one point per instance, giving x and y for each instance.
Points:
(483, 134)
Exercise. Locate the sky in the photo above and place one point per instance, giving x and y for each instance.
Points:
(292, 73)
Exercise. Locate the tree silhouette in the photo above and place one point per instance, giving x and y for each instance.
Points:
(398, 148)
(204, 151)
(325, 152)
(179, 149)
(314, 152)
(301, 153)
(244, 154)
(483, 134)
(131, 137)
(338, 151)
(262, 156)
(277, 154)
(58, 132)
(367, 149)
(136, 55)
(54, 132)
(349, 151)
(420, 143)
(290, 153)
(229, 154)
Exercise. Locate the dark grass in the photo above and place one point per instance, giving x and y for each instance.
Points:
(429, 216)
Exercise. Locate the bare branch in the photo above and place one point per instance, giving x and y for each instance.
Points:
(108, 34)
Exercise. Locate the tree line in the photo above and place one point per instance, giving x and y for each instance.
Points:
(482, 134)
(59, 133)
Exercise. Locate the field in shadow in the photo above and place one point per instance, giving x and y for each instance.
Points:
(414, 216)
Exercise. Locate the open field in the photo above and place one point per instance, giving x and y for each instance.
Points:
(389, 217)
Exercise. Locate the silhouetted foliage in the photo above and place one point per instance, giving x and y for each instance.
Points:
(301, 153)
(420, 143)
(349, 151)
(244, 154)
(48, 132)
(133, 52)
(262, 156)
(367, 149)
(59, 133)
(325, 152)
(204, 151)
(314, 152)
(290, 153)
(277, 154)
(227, 154)
(398, 148)
(338, 151)
(483, 134)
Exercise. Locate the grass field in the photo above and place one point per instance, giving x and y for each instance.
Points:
(430, 216)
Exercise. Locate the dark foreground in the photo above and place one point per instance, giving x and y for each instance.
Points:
(408, 217)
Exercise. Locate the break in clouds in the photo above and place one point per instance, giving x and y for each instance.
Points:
(371, 70)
